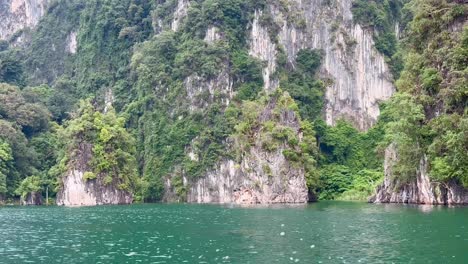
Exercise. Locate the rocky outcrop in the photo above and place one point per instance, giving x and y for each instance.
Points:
(259, 176)
(250, 183)
(32, 198)
(77, 190)
(16, 15)
(202, 92)
(421, 190)
(212, 35)
(72, 42)
(263, 48)
(179, 14)
(360, 80)
(359, 74)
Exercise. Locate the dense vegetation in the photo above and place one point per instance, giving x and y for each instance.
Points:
(112, 148)
(428, 117)
(387, 19)
(166, 106)
(26, 136)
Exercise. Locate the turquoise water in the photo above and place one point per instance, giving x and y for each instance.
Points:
(326, 232)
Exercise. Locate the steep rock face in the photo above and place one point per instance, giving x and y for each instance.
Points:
(20, 14)
(360, 80)
(72, 42)
(419, 191)
(259, 177)
(33, 198)
(212, 35)
(360, 77)
(202, 92)
(77, 191)
(263, 48)
(179, 14)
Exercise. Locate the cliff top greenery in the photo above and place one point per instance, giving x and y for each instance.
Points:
(174, 93)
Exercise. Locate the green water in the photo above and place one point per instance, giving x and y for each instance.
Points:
(326, 232)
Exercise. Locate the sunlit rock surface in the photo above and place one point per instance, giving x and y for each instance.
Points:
(360, 78)
(75, 190)
(16, 15)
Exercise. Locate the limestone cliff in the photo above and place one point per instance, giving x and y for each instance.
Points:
(260, 175)
(421, 190)
(76, 190)
(16, 15)
(360, 77)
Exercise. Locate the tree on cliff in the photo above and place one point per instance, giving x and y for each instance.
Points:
(113, 148)
(5, 157)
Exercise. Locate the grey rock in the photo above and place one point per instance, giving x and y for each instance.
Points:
(76, 191)
(360, 77)
(421, 190)
(260, 177)
(16, 15)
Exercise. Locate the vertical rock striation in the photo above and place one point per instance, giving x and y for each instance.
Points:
(16, 15)
(75, 190)
(420, 190)
(360, 77)
(262, 47)
(179, 14)
(260, 176)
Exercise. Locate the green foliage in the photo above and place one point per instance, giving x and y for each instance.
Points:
(431, 79)
(273, 133)
(348, 158)
(29, 185)
(163, 85)
(172, 117)
(248, 73)
(448, 151)
(11, 69)
(302, 84)
(113, 148)
(334, 180)
(362, 186)
(428, 115)
(47, 56)
(405, 130)
(24, 122)
(381, 16)
(104, 48)
(89, 176)
(5, 159)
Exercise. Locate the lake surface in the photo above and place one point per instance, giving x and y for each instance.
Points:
(325, 232)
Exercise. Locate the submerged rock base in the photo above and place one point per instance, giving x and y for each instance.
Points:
(33, 198)
(76, 191)
(259, 175)
(419, 191)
